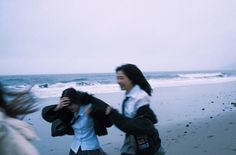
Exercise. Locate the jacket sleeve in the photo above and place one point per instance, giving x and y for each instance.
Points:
(57, 118)
(136, 126)
(49, 114)
(98, 111)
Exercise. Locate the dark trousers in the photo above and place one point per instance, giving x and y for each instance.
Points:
(88, 152)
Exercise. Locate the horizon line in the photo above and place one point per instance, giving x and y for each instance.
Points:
(70, 73)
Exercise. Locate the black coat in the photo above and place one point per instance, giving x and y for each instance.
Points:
(142, 125)
(64, 116)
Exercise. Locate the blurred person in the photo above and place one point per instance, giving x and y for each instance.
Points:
(16, 134)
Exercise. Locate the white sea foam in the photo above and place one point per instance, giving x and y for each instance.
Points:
(56, 89)
(190, 81)
(202, 75)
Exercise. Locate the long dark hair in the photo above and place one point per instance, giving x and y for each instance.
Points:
(136, 76)
(17, 103)
(75, 96)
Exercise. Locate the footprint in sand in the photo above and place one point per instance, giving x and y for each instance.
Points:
(197, 146)
(210, 136)
(109, 143)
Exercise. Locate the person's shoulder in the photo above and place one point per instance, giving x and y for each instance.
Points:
(147, 112)
(138, 93)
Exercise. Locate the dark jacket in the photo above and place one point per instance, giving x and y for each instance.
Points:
(64, 116)
(141, 125)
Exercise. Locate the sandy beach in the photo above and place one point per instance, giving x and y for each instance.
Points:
(193, 120)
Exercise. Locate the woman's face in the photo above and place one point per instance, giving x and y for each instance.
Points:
(73, 107)
(124, 82)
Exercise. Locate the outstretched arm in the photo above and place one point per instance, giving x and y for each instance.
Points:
(136, 126)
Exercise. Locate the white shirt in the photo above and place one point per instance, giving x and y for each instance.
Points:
(137, 98)
(85, 136)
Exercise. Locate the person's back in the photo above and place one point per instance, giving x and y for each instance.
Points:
(15, 135)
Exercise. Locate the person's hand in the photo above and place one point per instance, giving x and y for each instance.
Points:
(108, 110)
(64, 102)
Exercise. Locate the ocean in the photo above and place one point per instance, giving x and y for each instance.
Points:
(45, 86)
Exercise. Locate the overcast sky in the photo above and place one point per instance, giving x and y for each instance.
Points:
(84, 36)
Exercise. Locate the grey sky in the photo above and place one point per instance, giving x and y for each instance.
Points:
(81, 36)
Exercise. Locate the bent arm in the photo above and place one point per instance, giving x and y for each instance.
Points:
(49, 114)
(135, 126)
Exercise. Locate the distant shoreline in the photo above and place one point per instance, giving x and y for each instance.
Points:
(46, 86)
